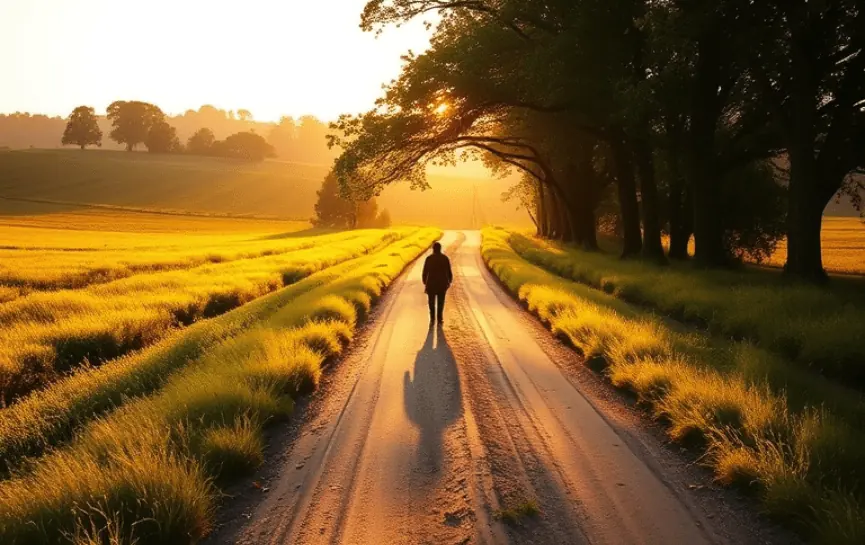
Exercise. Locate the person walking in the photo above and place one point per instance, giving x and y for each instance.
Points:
(437, 278)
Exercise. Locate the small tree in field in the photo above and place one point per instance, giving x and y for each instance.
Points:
(334, 212)
(201, 143)
(82, 129)
(246, 145)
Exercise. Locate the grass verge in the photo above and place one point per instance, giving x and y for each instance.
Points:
(148, 471)
(819, 329)
(804, 462)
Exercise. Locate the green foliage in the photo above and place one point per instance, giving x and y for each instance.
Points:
(82, 129)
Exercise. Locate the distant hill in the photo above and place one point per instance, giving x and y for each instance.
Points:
(203, 185)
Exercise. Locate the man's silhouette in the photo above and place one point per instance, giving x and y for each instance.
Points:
(437, 278)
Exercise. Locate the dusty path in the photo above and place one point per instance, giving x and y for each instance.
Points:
(437, 430)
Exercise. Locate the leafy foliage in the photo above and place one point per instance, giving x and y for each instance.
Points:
(132, 121)
(335, 212)
(162, 138)
(248, 146)
(201, 142)
(82, 129)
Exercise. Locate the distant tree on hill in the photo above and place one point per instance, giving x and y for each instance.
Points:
(132, 121)
(82, 129)
(334, 212)
(201, 143)
(162, 138)
(244, 145)
(244, 115)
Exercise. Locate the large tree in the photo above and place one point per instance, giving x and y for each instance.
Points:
(132, 121)
(82, 128)
(809, 63)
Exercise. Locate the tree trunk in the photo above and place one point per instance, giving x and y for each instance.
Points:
(632, 242)
(566, 221)
(804, 251)
(709, 248)
(541, 222)
(652, 247)
(805, 217)
(82, 146)
(554, 229)
(806, 201)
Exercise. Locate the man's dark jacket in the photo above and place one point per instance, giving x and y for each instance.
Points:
(437, 275)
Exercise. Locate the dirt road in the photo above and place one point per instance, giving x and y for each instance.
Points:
(433, 433)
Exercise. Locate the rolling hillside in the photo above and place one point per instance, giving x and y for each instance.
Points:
(213, 186)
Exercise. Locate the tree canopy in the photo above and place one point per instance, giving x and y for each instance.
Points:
(82, 128)
(162, 138)
(132, 121)
(677, 113)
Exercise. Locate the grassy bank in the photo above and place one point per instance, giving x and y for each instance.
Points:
(802, 459)
(150, 471)
(819, 329)
(47, 334)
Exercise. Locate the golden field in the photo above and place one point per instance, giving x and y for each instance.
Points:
(843, 241)
(141, 355)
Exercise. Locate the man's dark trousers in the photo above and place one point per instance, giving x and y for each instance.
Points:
(433, 307)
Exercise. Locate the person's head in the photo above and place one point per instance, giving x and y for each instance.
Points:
(437, 248)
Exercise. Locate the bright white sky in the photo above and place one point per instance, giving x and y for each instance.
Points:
(272, 57)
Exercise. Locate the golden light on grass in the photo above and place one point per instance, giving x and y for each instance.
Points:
(783, 430)
(180, 437)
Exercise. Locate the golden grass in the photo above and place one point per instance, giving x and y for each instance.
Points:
(71, 250)
(46, 334)
(802, 457)
(146, 471)
(817, 328)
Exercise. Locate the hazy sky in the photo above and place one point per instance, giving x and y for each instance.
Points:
(271, 57)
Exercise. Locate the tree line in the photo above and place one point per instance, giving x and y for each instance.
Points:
(732, 121)
(135, 123)
(301, 139)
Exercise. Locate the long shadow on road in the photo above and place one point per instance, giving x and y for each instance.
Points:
(433, 400)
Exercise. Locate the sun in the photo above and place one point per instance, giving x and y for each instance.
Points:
(442, 108)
